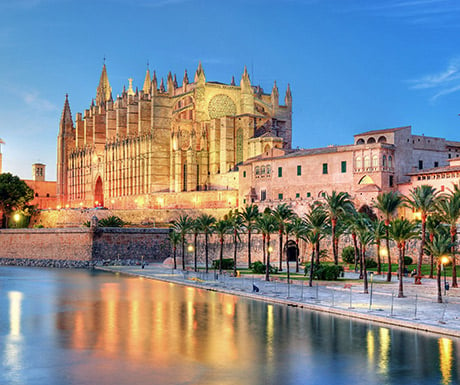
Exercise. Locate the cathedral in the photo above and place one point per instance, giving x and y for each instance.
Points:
(167, 145)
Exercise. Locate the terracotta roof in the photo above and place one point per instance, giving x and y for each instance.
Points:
(372, 132)
(436, 170)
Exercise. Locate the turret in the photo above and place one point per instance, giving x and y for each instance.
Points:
(275, 97)
(245, 83)
(288, 97)
(170, 84)
(130, 88)
(154, 84)
(199, 75)
(65, 139)
(104, 91)
(162, 86)
(147, 82)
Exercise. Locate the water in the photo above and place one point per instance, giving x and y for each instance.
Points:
(82, 327)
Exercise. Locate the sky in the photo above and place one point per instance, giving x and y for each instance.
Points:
(352, 65)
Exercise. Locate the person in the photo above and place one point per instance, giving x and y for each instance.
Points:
(413, 273)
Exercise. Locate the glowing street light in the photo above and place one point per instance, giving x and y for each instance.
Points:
(17, 218)
(444, 262)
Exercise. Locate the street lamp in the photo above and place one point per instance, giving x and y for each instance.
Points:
(372, 281)
(16, 218)
(444, 261)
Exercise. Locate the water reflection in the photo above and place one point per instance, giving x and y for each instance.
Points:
(126, 330)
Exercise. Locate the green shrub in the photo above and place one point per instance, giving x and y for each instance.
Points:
(227, 264)
(112, 221)
(325, 272)
(348, 254)
(408, 261)
(38, 226)
(370, 263)
(259, 268)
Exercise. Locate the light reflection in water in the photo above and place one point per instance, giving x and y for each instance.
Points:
(370, 347)
(445, 360)
(13, 354)
(385, 342)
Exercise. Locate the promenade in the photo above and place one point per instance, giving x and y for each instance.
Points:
(418, 310)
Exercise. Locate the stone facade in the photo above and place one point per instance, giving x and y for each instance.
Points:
(165, 139)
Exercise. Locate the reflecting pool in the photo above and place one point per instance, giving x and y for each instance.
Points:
(89, 327)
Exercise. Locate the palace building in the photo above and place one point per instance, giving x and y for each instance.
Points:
(167, 145)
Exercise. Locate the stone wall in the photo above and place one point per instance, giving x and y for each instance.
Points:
(69, 247)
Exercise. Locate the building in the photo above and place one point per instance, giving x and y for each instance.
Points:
(44, 191)
(167, 145)
(378, 161)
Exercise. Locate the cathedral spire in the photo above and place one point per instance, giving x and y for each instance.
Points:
(288, 97)
(175, 81)
(66, 116)
(162, 85)
(199, 74)
(245, 83)
(232, 83)
(104, 91)
(185, 79)
(275, 96)
(147, 82)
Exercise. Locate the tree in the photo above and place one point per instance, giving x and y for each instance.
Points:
(14, 195)
(401, 230)
(236, 224)
(439, 246)
(183, 225)
(249, 215)
(316, 221)
(205, 223)
(174, 238)
(267, 225)
(378, 232)
(422, 199)
(112, 221)
(196, 229)
(336, 205)
(222, 227)
(365, 237)
(282, 214)
(448, 209)
(433, 226)
(299, 230)
(388, 203)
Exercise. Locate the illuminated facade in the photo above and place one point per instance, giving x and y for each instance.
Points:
(167, 145)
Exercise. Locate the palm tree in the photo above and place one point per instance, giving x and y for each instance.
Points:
(365, 237)
(236, 224)
(353, 225)
(267, 225)
(422, 199)
(449, 211)
(336, 205)
(174, 238)
(222, 227)
(439, 246)
(401, 230)
(378, 232)
(182, 225)
(282, 214)
(205, 224)
(387, 204)
(433, 226)
(316, 221)
(250, 215)
(299, 230)
(196, 230)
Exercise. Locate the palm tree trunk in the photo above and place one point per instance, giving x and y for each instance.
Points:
(355, 245)
(438, 281)
(418, 276)
(334, 251)
(297, 255)
(267, 267)
(234, 252)
(174, 255)
(387, 241)
(281, 250)
(183, 253)
(249, 248)
(317, 252)
(453, 233)
(401, 273)
(206, 250)
(360, 251)
(221, 256)
(310, 279)
(379, 262)
(431, 265)
(287, 261)
(263, 248)
(195, 252)
(363, 262)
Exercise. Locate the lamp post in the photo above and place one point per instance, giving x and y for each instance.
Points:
(16, 218)
(444, 261)
(372, 281)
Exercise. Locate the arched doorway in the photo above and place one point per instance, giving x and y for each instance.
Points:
(292, 250)
(98, 193)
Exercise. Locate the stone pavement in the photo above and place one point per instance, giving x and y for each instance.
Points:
(417, 310)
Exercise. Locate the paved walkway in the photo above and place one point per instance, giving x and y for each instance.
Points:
(418, 310)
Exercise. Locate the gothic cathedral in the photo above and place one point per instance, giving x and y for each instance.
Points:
(166, 140)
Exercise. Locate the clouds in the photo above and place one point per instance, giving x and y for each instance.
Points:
(444, 82)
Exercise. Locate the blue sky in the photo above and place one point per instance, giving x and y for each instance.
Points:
(353, 65)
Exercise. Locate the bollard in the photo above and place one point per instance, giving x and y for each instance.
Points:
(351, 295)
(332, 298)
(275, 286)
(288, 290)
(370, 300)
(392, 300)
(415, 307)
(301, 290)
(316, 292)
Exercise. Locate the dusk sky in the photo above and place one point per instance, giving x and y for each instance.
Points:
(353, 65)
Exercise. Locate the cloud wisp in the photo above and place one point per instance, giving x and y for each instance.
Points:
(444, 82)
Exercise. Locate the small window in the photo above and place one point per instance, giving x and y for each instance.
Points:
(436, 164)
(323, 194)
(36, 194)
(442, 188)
(384, 161)
(449, 155)
(257, 170)
(280, 196)
(324, 168)
(262, 170)
(390, 161)
(47, 195)
(391, 181)
(263, 195)
(344, 166)
(244, 174)
(244, 200)
(420, 164)
(269, 169)
(299, 170)
(280, 172)
(308, 194)
(297, 195)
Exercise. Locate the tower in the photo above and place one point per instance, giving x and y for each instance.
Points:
(38, 172)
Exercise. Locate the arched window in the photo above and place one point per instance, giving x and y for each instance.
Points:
(267, 148)
(370, 140)
(360, 141)
(375, 161)
(390, 161)
(359, 162)
(262, 170)
(366, 179)
(367, 162)
(269, 169)
(257, 170)
(382, 139)
(384, 161)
